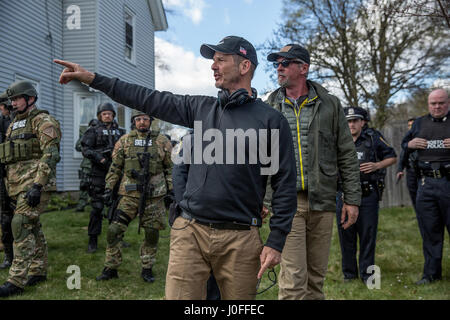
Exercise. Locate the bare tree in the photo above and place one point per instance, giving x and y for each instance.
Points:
(363, 49)
(435, 9)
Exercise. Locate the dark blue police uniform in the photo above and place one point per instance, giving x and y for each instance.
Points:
(370, 147)
(433, 194)
(410, 164)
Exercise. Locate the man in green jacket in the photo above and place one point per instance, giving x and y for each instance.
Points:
(323, 149)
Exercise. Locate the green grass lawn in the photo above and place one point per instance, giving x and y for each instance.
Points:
(398, 254)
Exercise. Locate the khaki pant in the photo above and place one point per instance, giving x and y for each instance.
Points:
(195, 250)
(304, 260)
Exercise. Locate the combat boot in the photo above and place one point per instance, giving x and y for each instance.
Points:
(92, 245)
(33, 280)
(9, 289)
(107, 274)
(8, 257)
(147, 275)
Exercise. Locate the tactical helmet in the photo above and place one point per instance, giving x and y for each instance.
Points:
(21, 88)
(136, 113)
(106, 106)
(4, 98)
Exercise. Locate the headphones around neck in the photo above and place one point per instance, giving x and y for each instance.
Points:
(238, 97)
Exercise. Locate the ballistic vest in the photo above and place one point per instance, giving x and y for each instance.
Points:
(22, 143)
(434, 131)
(137, 147)
(107, 138)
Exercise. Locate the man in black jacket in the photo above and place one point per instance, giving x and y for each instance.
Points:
(218, 226)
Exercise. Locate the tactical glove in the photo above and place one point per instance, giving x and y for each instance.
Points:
(169, 198)
(107, 197)
(33, 195)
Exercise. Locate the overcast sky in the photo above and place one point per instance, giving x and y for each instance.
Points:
(194, 22)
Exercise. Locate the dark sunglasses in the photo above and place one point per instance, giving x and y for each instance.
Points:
(285, 63)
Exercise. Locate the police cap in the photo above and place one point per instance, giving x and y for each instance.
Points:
(355, 113)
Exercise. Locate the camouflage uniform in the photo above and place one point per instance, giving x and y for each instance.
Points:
(83, 175)
(160, 168)
(6, 205)
(31, 152)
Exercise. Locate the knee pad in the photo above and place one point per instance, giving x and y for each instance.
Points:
(115, 233)
(122, 217)
(151, 236)
(18, 227)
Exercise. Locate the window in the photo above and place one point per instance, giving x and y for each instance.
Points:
(85, 109)
(35, 84)
(129, 36)
(123, 117)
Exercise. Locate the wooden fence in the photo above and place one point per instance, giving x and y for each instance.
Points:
(395, 194)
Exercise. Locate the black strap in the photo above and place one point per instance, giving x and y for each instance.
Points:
(24, 136)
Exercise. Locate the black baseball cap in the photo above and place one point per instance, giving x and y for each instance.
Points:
(355, 113)
(291, 51)
(231, 45)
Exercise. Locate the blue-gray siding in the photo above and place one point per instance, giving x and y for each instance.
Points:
(112, 42)
(26, 50)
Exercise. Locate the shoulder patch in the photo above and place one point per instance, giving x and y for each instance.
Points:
(50, 132)
(381, 138)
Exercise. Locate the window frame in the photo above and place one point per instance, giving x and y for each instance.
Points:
(77, 96)
(132, 15)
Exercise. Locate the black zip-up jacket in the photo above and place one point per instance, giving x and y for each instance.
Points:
(218, 193)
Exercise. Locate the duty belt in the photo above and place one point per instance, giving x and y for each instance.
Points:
(437, 174)
(220, 226)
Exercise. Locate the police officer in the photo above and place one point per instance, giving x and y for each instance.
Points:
(30, 153)
(430, 136)
(97, 145)
(84, 172)
(374, 154)
(6, 205)
(128, 162)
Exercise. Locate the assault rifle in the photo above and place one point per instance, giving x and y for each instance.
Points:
(116, 199)
(143, 178)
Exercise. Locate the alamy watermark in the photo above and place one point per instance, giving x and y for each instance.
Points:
(235, 146)
(374, 281)
(74, 280)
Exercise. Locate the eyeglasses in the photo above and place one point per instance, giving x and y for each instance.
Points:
(285, 63)
(137, 119)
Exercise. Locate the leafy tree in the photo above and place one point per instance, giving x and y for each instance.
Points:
(362, 50)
